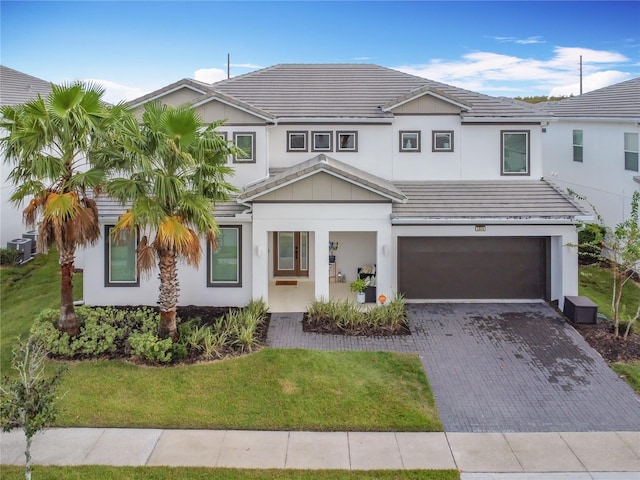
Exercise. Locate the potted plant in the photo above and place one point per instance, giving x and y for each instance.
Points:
(359, 286)
(333, 246)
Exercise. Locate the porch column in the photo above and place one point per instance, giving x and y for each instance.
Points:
(384, 260)
(260, 264)
(321, 258)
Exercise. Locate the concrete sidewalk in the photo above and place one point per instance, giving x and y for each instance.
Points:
(480, 456)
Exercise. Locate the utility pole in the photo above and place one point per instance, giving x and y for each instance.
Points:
(580, 74)
(229, 68)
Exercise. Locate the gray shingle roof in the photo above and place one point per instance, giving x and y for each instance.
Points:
(523, 199)
(621, 100)
(17, 87)
(345, 91)
(110, 208)
(322, 163)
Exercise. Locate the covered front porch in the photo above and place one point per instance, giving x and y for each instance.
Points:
(296, 295)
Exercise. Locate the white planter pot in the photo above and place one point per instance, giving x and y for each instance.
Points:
(360, 297)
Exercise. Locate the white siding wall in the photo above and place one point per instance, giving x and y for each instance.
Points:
(193, 282)
(245, 173)
(601, 176)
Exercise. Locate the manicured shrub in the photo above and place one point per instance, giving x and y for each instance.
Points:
(8, 256)
(590, 241)
(149, 347)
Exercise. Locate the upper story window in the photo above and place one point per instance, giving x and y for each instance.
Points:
(442, 141)
(321, 141)
(121, 268)
(631, 151)
(577, 146)
(245, 141)
(225, 262)
(347, 141)
(409, 141)
(297, 142)
(514, 152)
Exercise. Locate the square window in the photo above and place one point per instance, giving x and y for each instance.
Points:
(631, 151)
(347, 141)
(245, 141)
(442, 141)
(225, 262)
(410, 141)
(121, 267)
(296, 141)
(577, 146)
(321, 141)
(515, 152)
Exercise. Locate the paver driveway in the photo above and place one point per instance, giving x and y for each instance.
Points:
(498, 367)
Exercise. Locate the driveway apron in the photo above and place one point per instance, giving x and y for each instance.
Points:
(497, 367)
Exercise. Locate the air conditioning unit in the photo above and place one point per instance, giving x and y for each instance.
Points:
(33, 236)
(22, 245)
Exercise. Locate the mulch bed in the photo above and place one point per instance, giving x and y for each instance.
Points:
(612, 348)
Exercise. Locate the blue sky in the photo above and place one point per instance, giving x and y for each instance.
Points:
(498, 48)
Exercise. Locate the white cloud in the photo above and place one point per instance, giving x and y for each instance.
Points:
(590, 82)
(500, 74)
(210, 75)
(520, 41)
(116, 92)
(246, 65)
(362, 58)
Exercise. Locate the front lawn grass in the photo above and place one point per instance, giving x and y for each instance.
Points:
(630, 372)
(25, 291)
(596, 283)
(168, 473)
(270, 390)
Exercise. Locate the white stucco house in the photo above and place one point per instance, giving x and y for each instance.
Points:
(591, 146)
(15, 88)
(437, 188)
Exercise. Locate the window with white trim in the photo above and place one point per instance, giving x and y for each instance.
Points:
(321, 141)
(442, 141)
(631, 151)
(578, 153)
(409, 141)
(514, 152)
(347, 141)
(225, 261)
(121, 268)
(297, 142)
(246, 142)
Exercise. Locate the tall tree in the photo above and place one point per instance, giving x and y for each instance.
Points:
(174, 172)
(48, 143)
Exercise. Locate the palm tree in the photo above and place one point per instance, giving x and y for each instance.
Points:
(175, 172)
(49, 144)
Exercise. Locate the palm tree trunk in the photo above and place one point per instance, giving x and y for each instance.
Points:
(169, 291)
(68, 321)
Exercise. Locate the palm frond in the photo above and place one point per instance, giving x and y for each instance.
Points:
(147, 256)
(61, 207)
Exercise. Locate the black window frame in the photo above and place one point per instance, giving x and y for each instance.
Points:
(253, 147)
(107, 261)
(313, 141)
(636, 152)
(355, 141)
(418, 135)
(434, 134)
(210, 252)
(528, 153)
(304, 135)
(578, 147)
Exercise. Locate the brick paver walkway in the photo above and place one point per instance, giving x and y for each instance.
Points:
(497, 367)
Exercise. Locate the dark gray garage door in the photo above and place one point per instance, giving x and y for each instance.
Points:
(473, 268)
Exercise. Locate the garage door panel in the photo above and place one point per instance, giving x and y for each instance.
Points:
(472, 268)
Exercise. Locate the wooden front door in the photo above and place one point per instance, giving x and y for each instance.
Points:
(291, 254)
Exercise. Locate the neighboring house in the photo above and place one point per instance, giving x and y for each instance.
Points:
(15, 88)
(438, 187)
(591, 146)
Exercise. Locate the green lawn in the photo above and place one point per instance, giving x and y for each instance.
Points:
(269, 390)
(597, 284)
(166, 473)
(24, 292)
(630, 372)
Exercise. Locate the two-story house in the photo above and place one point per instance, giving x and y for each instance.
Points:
(591, 146)
(437, 189)
(15, 88)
